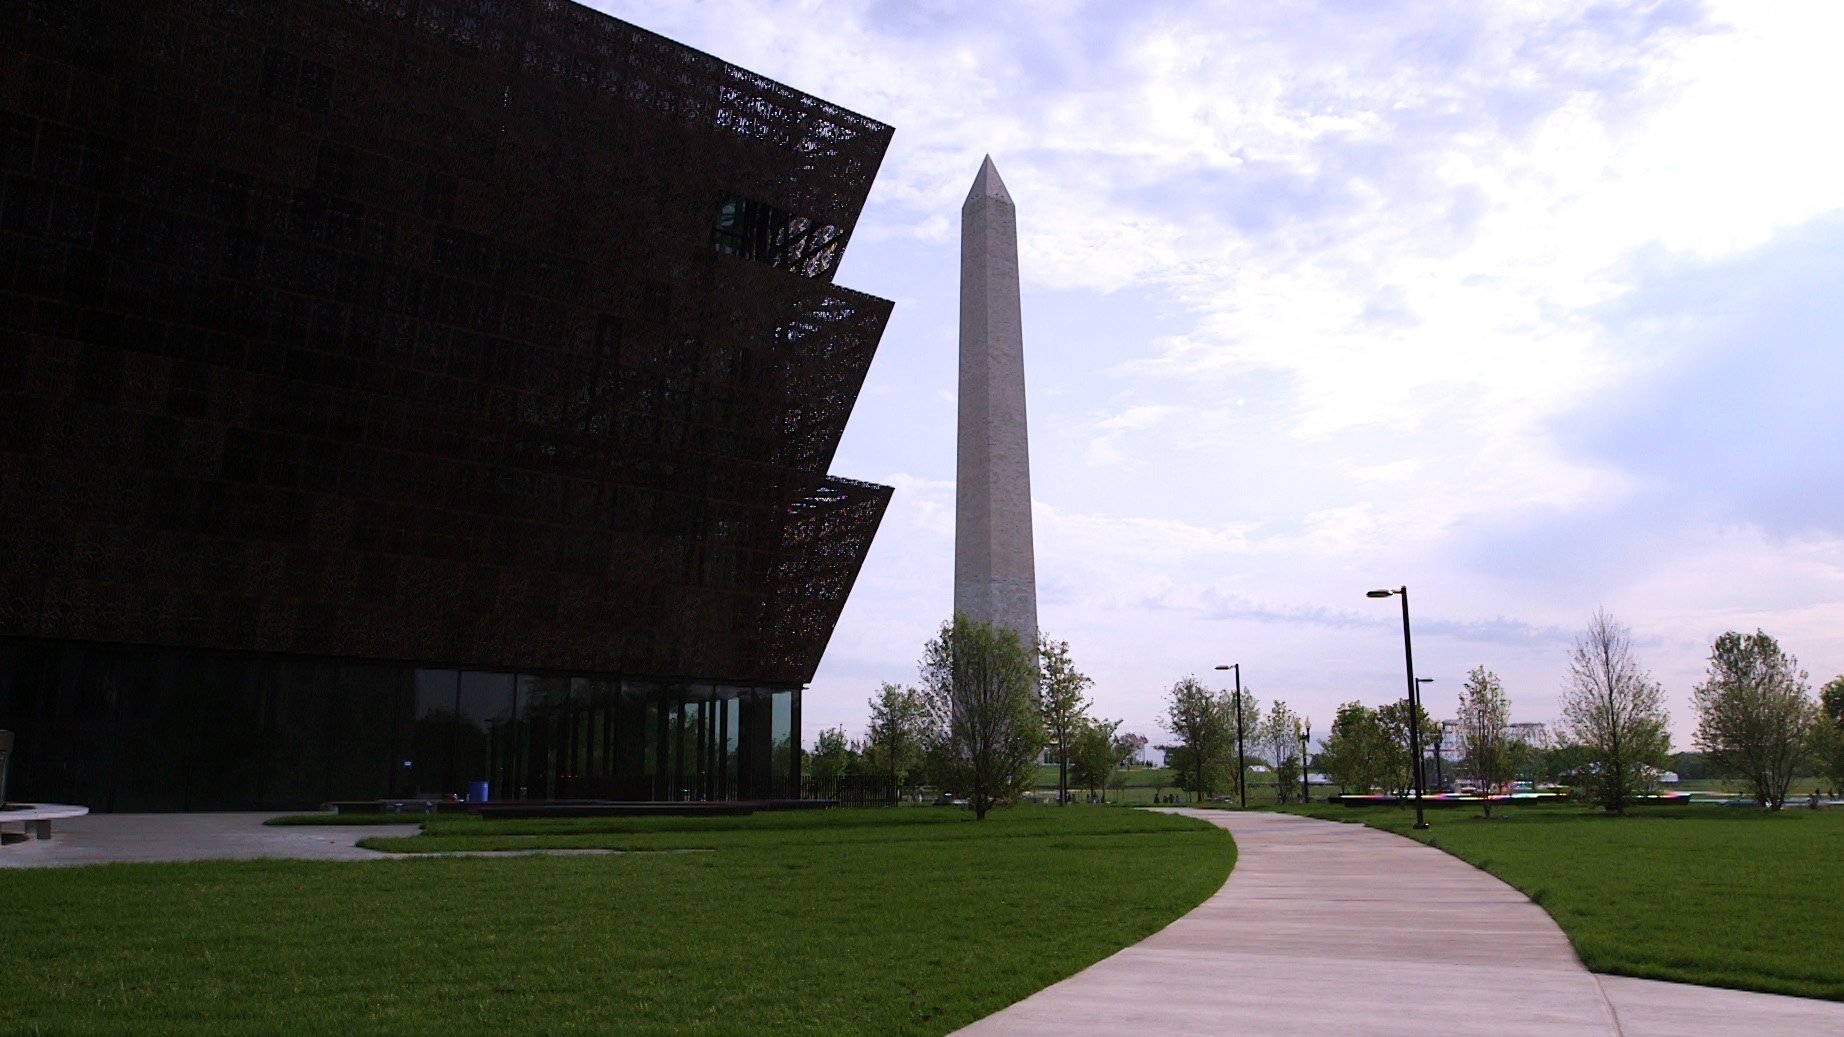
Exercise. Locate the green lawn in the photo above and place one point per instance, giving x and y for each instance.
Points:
(904, 921)
(1723, 896)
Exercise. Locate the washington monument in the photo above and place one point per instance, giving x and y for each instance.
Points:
(995, 571)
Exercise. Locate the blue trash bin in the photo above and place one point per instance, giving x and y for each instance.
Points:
(477, 792)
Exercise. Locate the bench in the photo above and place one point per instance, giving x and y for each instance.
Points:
(35, 818)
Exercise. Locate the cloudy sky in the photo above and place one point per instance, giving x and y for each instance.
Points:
(1535, 307)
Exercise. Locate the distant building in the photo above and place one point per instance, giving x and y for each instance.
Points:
(395, 400)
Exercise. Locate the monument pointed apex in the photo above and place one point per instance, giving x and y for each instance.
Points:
(987, 185)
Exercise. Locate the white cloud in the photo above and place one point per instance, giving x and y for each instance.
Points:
(1401, 234)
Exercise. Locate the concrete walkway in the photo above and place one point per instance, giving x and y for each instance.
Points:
(1311, 935)
(108, 838)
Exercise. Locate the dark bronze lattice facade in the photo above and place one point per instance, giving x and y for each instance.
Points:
(497, 336)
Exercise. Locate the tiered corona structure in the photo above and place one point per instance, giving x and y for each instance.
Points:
(399, 397)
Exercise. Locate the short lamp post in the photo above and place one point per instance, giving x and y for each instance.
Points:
(1306, 737)
(1242, 771)
(1408, 658)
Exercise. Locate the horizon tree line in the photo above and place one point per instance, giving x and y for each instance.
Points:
(1757, 722)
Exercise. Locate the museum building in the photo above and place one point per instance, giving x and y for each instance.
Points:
(403, 395)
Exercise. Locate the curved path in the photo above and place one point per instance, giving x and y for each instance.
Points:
(1311, 934)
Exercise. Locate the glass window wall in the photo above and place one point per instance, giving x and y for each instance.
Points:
(153, 729)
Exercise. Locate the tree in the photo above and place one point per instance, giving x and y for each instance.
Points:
(1354, 752)
(1829, 743)
(1616, 711)
(1204, 723)
(1251, 734)
(1486, 748)
(899, 722)
(1755, 714)
(1065, 708)
(831, 756)
(981, 685)
(1280, 741)
(1566, 760)
(1393, 719)
(1098, 753)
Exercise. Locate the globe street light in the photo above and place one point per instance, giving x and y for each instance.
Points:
(1408, 658)
(1306, 737)
(1242, 771)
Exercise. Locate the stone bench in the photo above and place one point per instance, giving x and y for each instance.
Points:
(35, 818)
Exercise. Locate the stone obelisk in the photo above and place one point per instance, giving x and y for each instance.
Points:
(995, 571)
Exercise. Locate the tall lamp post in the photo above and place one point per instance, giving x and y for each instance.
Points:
(1440, 741)
(1242, 771)
(1306, 737)
(1408, 658)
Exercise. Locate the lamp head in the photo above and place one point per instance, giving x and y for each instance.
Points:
(1378, 594)
(1222, 667)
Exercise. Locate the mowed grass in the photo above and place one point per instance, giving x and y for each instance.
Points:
(905, 921)
(1722, 896)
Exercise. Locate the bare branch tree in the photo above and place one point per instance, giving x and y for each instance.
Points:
(1280, 741)
(1616, 710)
(1485, 726)
(1755, 714)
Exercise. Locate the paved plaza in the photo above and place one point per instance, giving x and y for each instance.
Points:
(108, 838)
(1311, 934)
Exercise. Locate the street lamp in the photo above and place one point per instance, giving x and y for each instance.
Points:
(1440, 742)
(1306, 737)
(1242, 771)
(1408, 658)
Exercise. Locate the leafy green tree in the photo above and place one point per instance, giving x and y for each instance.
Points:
(1829, 744)
(1566, 761)
(899, 729)
(1099, 752)
(1486, 748)
(1203, 721)
(981, 687)
(1393, 719)
(830, 759)
(1251, 736)
(1614, 708)
(1354, 756)
(1065, 707)
(1755, 714)
(1689, 766)
(1279, 736)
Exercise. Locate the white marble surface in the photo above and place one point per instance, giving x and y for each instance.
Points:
(995, 567)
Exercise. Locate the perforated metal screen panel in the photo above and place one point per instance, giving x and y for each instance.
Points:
(412, 331)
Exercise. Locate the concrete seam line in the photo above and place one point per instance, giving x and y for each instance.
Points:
(1613, 1014)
